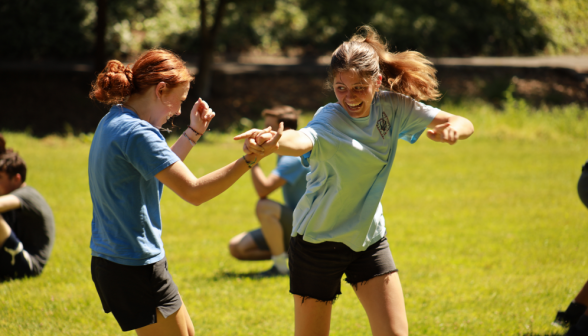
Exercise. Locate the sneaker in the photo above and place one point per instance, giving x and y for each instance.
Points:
(580, 328)
(272, 272)
(575, 331)
(570, 316)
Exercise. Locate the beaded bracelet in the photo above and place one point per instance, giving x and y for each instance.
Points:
(193, 130)
(187, 137)
(250, 163)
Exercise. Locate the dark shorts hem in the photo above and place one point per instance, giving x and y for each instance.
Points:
(362, 282)
(306, 297)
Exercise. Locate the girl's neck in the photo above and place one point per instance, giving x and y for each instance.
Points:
(140, 106)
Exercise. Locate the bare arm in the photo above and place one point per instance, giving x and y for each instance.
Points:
(200, 118)
(265, 185)
(9, 202)
(196, 191)
(292, 143)
(449, 128)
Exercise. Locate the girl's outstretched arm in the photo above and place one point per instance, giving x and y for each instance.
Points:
(449, 128)
(292, 143)
(196, 191)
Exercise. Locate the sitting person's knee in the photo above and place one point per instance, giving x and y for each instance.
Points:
(265, 208)
(235, 247)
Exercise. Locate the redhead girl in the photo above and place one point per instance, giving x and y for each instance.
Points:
(350, 146)
(129, 163)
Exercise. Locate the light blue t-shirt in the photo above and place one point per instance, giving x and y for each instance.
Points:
(125, 156)
(350, 163)
(290, 168)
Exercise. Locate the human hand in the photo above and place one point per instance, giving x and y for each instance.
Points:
(250, 145)
(200, 116)
(261, 142)
(444, 133)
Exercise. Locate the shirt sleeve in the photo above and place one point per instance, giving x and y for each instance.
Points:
(289, 168)
(320, 132)
(148, 152)
(414, 117)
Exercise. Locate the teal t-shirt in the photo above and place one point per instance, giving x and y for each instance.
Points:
(350, 163)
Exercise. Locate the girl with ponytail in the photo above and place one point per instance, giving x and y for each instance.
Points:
(129, 163)
(350, 145)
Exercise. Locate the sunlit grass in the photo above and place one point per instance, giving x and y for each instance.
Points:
(488, 236)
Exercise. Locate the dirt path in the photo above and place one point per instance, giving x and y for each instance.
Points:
(577, 63)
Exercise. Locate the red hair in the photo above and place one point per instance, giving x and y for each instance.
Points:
(117, 82)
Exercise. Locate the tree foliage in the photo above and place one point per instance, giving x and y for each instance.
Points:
(43, 29)
(36, 29)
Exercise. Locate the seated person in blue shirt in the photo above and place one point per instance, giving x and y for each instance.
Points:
(273, 238)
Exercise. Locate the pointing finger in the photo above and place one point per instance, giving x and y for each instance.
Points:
(248, 134)
(277, 137)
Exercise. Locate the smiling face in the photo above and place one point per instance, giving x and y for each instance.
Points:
(355, 93)
(171, 103)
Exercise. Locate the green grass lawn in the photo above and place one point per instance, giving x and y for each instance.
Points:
(487, 235)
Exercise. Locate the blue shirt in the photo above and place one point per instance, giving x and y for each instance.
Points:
(125, 156)
(350, 163)
(291, 169)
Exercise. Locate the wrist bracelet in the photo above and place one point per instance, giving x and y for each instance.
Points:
(193, 130)
(250, 163)
(187, 137)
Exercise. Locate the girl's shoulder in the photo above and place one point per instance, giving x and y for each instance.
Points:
(328, 113)
(393, 97)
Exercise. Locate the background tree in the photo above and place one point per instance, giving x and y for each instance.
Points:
(208, 38)
(99, 46)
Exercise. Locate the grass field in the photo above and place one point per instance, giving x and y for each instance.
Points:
(488, 236)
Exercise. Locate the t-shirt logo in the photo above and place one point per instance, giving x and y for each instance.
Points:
(383, 125)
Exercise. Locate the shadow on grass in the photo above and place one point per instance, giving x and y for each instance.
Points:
(250, 275)
(540, 334)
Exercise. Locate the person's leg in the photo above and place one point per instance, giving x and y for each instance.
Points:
(383, 302)
(5, 230)
(178, 323)
(15, 261)
(268, 212)
(315, 281)
(312, 317)
(244, 247)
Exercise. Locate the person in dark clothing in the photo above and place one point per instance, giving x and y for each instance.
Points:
(576, 315)
(27, 227)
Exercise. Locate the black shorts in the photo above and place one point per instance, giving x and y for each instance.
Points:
(15, 261)
(316, 269)
(133, 293)
(286, 220)
(583, 186)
